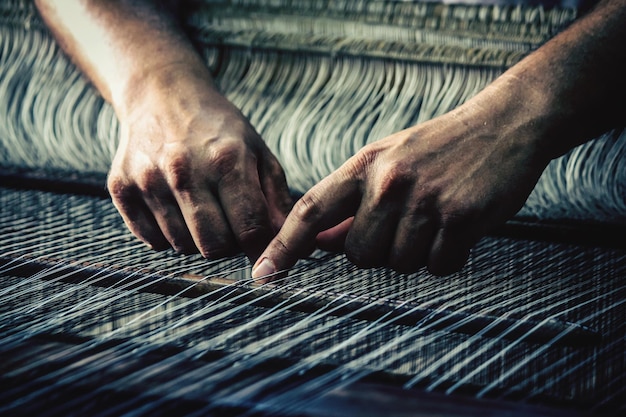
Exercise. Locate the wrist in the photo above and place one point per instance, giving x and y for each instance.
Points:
(523, 115)
(162, 84)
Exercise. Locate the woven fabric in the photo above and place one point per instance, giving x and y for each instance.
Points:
(506, 279)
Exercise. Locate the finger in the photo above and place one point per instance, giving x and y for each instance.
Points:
(137, 216)
(246, 208)
(325, 205)
(450, 250)
(333, 239)
(168, 216)
(275, 189)
(412, 242)
(372, 232)
(206, 223)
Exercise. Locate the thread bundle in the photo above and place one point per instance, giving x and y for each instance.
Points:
(318, 80)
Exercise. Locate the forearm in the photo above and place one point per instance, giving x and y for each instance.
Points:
(119, 44)
(571, 89)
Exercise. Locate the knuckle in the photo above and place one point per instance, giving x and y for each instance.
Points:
(389, 178)
(280, 246)
(307, 209)
(282, 249)
(362, 161)
(225, 158)
(368, 154)
(148, 180)
(179, 171)
(118, 187)
(393, 183)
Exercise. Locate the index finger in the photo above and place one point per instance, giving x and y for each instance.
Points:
(327, 204)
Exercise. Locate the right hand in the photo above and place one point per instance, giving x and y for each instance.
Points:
(425, 195)
(191, 172)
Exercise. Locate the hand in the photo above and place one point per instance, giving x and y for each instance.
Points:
(191, 173)
(423, 196)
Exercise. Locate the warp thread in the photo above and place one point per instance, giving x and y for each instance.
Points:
(373, 68)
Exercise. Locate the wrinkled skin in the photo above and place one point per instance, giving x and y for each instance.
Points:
(191, 173)
(422, 196)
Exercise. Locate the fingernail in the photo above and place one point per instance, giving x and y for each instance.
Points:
(266, 267)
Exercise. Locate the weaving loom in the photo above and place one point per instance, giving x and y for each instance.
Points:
(94, 323)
